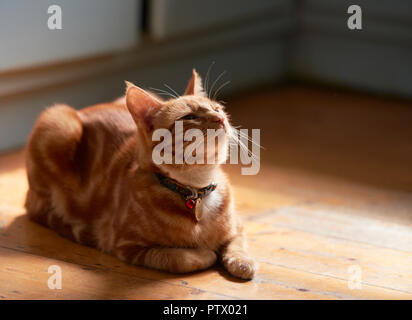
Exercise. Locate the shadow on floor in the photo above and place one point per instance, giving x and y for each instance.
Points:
(109, 277)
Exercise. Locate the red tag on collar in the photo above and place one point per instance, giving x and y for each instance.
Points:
(190, 204)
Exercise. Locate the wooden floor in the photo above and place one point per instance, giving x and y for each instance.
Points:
(332, 203)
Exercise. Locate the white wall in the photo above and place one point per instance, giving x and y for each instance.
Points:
(253, 52)
(377, 58)
(25, 39)
(179, 17)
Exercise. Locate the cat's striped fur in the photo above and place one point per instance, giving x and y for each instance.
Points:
(91, 179)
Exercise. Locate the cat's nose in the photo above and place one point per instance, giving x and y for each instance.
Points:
(220, 120)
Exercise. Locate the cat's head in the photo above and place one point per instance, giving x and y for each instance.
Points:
(194, 113)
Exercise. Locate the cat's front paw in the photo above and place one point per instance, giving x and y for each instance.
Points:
(196, 259)
(240, 266)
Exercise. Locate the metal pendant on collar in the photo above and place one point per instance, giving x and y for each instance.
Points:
(192, 196)
(193, 203)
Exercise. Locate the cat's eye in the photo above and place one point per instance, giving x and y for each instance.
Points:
(189, 117)
(218, 108)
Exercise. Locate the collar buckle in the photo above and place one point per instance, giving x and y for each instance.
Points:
(193, 195)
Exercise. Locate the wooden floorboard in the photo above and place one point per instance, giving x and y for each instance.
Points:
(333, 192)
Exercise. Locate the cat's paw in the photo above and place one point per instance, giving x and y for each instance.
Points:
(197, 259)
(240, 266)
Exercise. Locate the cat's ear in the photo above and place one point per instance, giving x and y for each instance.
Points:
(141, 104)
(195, 86)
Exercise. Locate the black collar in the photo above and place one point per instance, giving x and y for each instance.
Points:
(188, 193)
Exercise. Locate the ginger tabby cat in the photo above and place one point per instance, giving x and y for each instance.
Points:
(92, 179)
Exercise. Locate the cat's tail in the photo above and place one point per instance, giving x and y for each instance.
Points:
(54, 140)
(50, 158)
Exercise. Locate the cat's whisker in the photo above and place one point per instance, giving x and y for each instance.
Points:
(217, 91)
(207, 76)
(156, 89)
(169, 87)
(243, 134)
(160, 91)
(250, 139)
(214, 83)
(243, 147)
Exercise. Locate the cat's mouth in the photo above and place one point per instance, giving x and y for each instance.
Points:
(221, 124)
